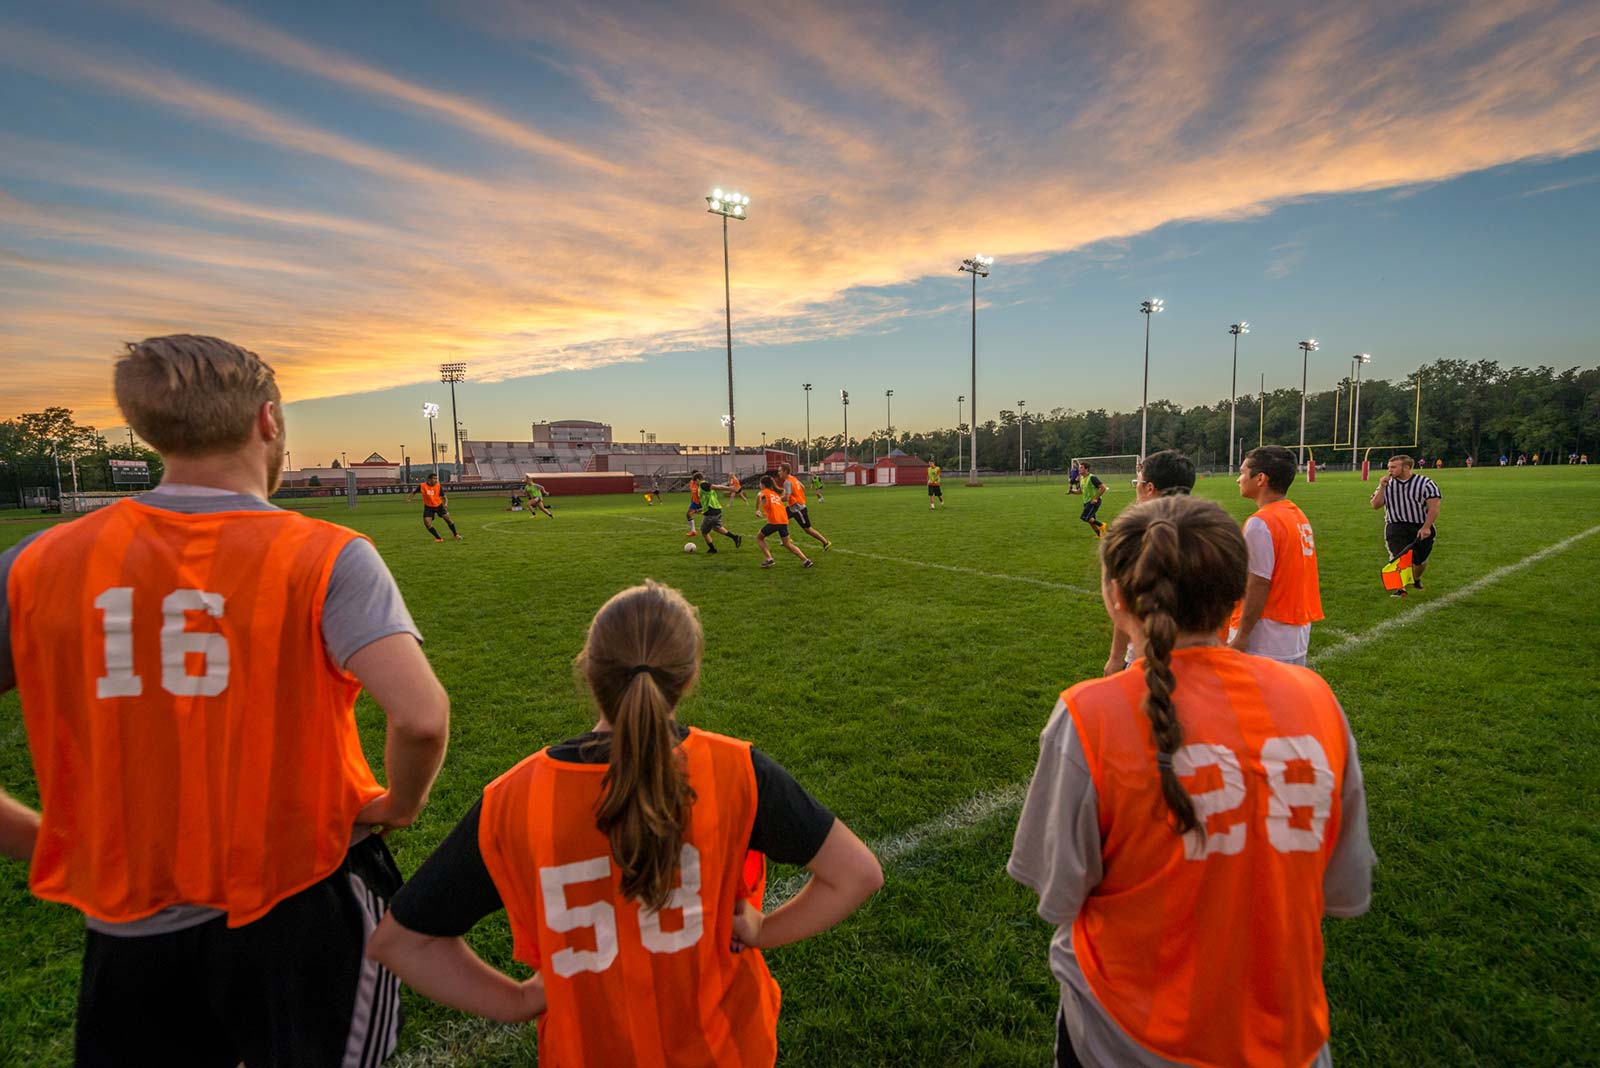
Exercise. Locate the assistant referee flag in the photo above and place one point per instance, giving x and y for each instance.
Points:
(1397, 572)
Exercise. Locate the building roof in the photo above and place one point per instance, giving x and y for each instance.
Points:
(900, 459)
(832, 456)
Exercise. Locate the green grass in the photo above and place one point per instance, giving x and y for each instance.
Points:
(896, 692)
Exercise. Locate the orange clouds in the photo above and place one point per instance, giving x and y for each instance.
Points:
(876, 151)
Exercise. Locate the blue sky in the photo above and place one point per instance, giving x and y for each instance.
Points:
(519, 186)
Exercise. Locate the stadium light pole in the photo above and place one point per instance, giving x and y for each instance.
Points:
(807, 387)
(888, 400)
(430, 412)
(1022, 419)
(1240, 327)
(453, 373)
(1361, 359)
(960, 400)
(978, 266)
(1147, 308)
(729, 206)
(1307, 347)
(844, 400)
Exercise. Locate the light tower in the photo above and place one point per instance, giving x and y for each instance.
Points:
(453, 373)
(729, 206)
(959, 425)
(888, 401)
(1022, 418)
(430, 412)
(1240, 327)
(977, 266)
(844, 401)
(807, 387)
(1147, 308)
(1307, 347)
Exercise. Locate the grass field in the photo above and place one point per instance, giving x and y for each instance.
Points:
(904, 681)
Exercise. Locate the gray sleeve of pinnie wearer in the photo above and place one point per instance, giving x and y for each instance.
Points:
(363, 603)
(1347, 884)
(8, 668)
(1056, 851)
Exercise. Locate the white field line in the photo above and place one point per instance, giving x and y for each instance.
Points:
(1475, 586)
(1047, 584)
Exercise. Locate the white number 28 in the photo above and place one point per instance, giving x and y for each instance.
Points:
(601, 917)
(177, 643)
(1276, 756)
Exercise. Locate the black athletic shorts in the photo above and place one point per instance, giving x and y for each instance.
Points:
(1090, 508)
(291, 989)
(935, 490)
(780, 529)
(1398, 535)
(1066, 1056)
(711, 520)
(428, 512)
(798, 513)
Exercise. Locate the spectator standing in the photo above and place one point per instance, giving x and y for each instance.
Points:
(1189, 825)
(1282, 596)
(1410, 504)
(188, 662)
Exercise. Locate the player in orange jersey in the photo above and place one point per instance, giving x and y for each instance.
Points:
(694, 502)
(630, 863)
(1189, 825)
(1282, 597)
(794, 498)
(188, 662)
(736, 489)
(776, 514)
(434, 503)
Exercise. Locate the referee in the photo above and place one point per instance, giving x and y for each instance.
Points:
(1410, 504)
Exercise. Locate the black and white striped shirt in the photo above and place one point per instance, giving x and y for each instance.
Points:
(1407, 501)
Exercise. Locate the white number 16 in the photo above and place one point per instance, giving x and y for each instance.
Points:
(177, 643)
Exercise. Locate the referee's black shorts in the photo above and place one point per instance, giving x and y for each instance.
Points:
(292, 988)
(1399, 535)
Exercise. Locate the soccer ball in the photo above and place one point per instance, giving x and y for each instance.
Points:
(688, 547)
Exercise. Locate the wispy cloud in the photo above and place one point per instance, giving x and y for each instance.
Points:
(1559, 187)
(878, 149)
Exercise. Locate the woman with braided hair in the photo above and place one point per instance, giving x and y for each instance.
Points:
(1190, 822)
(630, 861)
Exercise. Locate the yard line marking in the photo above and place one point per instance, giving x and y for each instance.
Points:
(1046, 583)
(1333, 632)
(1450, 598)
(896, 847)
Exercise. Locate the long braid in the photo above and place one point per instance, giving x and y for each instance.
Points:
(1154, 603)
(1180, 563)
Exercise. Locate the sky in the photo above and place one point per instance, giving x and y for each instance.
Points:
(361, 192)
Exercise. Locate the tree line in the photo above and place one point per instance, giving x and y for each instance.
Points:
(1467, 408)
(36, 445)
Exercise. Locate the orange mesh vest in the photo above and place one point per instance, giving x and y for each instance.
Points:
(432, 496)
(1295, 597)
(627, 986)
(694, 492)
(772, 508)
(797, 492)
(192, 741)
(1208, 949)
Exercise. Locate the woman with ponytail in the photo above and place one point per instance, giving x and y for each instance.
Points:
(630, 861)
(1190, 822)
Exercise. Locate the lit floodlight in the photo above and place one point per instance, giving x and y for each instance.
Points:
(1310, 345)
(727, 421)
(1362, 357)
(1152, 306)
(1240, 327)
(430, 410)
(716, 194)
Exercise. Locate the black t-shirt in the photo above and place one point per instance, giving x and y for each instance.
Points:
(452, 890)
(1094, 480)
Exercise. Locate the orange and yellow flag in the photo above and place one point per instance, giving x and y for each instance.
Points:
(1397, 572)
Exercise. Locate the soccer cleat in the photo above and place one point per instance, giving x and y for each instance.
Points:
(738, 540)
(808, 563)
(460, 538)
(1397, 593)
(826, 545)
(438, 541)
(767, 563)
(711, 550)
(1416, 584)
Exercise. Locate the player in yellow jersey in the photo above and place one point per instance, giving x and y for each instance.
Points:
(935, 491)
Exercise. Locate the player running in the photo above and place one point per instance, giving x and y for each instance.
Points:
(1091, 507)
(536, 495)
(434, 504)
(631, 863)
(694, 502)
(188, 662)
(935, 491)
(794, 496)
(736, 489)
(816, 486)
(776, 514)
(711, 520)
(1188, 827)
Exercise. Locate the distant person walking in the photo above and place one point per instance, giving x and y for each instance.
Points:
(1410, 504)
(935, 491)
(1167, 473)
(1282, 596)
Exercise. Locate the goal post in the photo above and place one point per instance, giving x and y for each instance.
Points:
(1125, 464)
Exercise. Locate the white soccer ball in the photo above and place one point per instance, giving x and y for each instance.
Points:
(688, 547)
